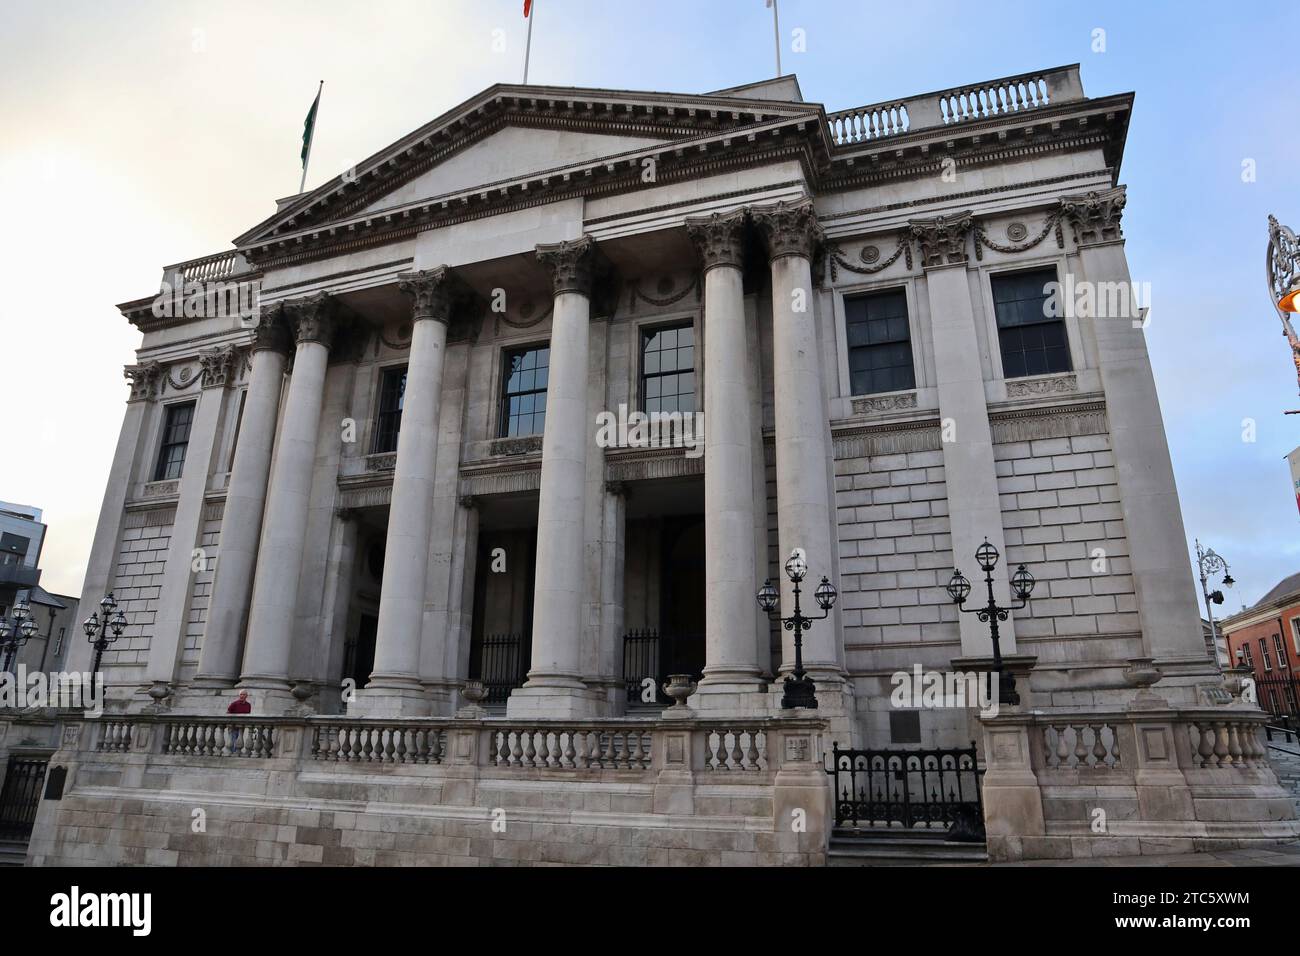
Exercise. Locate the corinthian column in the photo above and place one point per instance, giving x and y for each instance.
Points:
(394, 686)
(1162, 571)
(284, 528)
(241, 521)
(554, 687)
(730, 611)
(804, 479)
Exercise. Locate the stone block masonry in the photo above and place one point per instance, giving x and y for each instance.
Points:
(137, 582)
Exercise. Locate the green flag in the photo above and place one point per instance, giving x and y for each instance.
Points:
(309, 126)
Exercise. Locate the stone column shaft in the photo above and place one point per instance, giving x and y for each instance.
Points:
(554, 686)
(730, 608)
(241, 521)
(284, 528)
(396, 677)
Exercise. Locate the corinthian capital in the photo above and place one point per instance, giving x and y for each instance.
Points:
(942, 239)
(573, 264)
(219, 366)
(719, 238)
(271, 332)
(313, 318)
(145, 379)
(1095, 215)
(790, 229)
(431, 293)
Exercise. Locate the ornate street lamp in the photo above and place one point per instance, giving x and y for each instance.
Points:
(800, 691)
(1207, 563)
(1022, 585)
(15, 632)
(1284, 282)
(102, 633)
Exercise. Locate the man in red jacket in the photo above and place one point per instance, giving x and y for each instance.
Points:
(240, 706)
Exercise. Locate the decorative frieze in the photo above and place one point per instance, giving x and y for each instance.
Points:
(1050, 385)
(789, 229)
(884, 403)
(643, 465)
(1095, 215)
(219, 366)
(887, 440)
(1018, 234)
(374, 497)
(667, 296)
(501, 482)
(154, 517)
(161, 489)
(145, 380)
(1034, 424)
(385, 461)
(942, 239)
(182, 379)
(870, 255)
(522, 445)
(719, 238)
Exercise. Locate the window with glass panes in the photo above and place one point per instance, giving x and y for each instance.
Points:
(388, 423)
(668, 369)
(1281, 651)
(176, 438)
(1033, 342)
(523, 394)
(1264, 656)
(880, 345)
(1246, 655)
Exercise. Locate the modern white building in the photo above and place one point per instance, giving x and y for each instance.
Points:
(908, 328)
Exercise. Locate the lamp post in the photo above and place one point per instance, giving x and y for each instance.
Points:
(102, 633)
(800, 691)
(1284, 282)
(16, 631)
(1022, 584)
(1207, 563)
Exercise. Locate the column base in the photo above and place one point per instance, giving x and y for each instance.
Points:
(556, 697)
(731, 694)
(392, 696)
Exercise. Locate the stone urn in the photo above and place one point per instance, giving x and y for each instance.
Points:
(473, 692)
(679, 687)
(1142, 673)
(1235, 683)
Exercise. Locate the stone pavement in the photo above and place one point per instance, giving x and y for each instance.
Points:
(1283, 855)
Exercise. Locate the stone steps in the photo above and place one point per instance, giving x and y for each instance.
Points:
(895, 847)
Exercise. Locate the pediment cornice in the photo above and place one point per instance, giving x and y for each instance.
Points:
(672, 116)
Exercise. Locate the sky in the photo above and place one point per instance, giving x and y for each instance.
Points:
(138, 134)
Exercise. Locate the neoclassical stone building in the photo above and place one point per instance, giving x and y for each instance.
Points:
(387, 476)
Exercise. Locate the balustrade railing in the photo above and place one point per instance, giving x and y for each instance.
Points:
(358, 742)
(1007, 96)
(1227, 743)
(1074, 745)
(204, 738)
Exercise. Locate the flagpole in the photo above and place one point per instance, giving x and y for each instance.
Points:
(311, 139)
(776, 36)
(528, 45)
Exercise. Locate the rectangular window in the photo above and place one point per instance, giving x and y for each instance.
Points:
(668, 369)
(1033, 342)
(1263, 654)
(1281, 651)
(1295, 635)
(388, 423)
(880, 342)
(1246, 657)
(176, 438)
(523, 392)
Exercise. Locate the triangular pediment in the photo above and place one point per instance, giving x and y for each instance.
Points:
(510, 153)
(510, 132)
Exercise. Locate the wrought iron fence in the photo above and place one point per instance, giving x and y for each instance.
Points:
(1279, 695)
(20, 796)
(650, 655)
(913, 789)
(503, 664)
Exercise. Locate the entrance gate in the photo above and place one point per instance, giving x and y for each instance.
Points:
(20, 796)
(937, 790)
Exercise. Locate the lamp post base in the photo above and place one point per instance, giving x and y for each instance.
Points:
(799, 692)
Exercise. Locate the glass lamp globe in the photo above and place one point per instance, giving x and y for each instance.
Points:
(1023, 583)
(987, 556)
(91, 625)
(958, 587)
(797, 565)
(825, 595)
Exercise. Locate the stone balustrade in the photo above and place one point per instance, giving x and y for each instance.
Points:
(210, 268)
(1007, 96)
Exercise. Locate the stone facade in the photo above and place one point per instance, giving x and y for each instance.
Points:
(737, 233)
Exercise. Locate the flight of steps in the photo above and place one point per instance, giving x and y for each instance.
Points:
(894, 846)
(13, 852)
(1285, 758)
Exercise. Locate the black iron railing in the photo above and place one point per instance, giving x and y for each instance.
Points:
(913, 789)
(20, 795)
(503, 664)
(648, 655)
(1279, 695)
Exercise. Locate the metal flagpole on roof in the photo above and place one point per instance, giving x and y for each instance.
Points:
(528, 45)
(776, 34)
